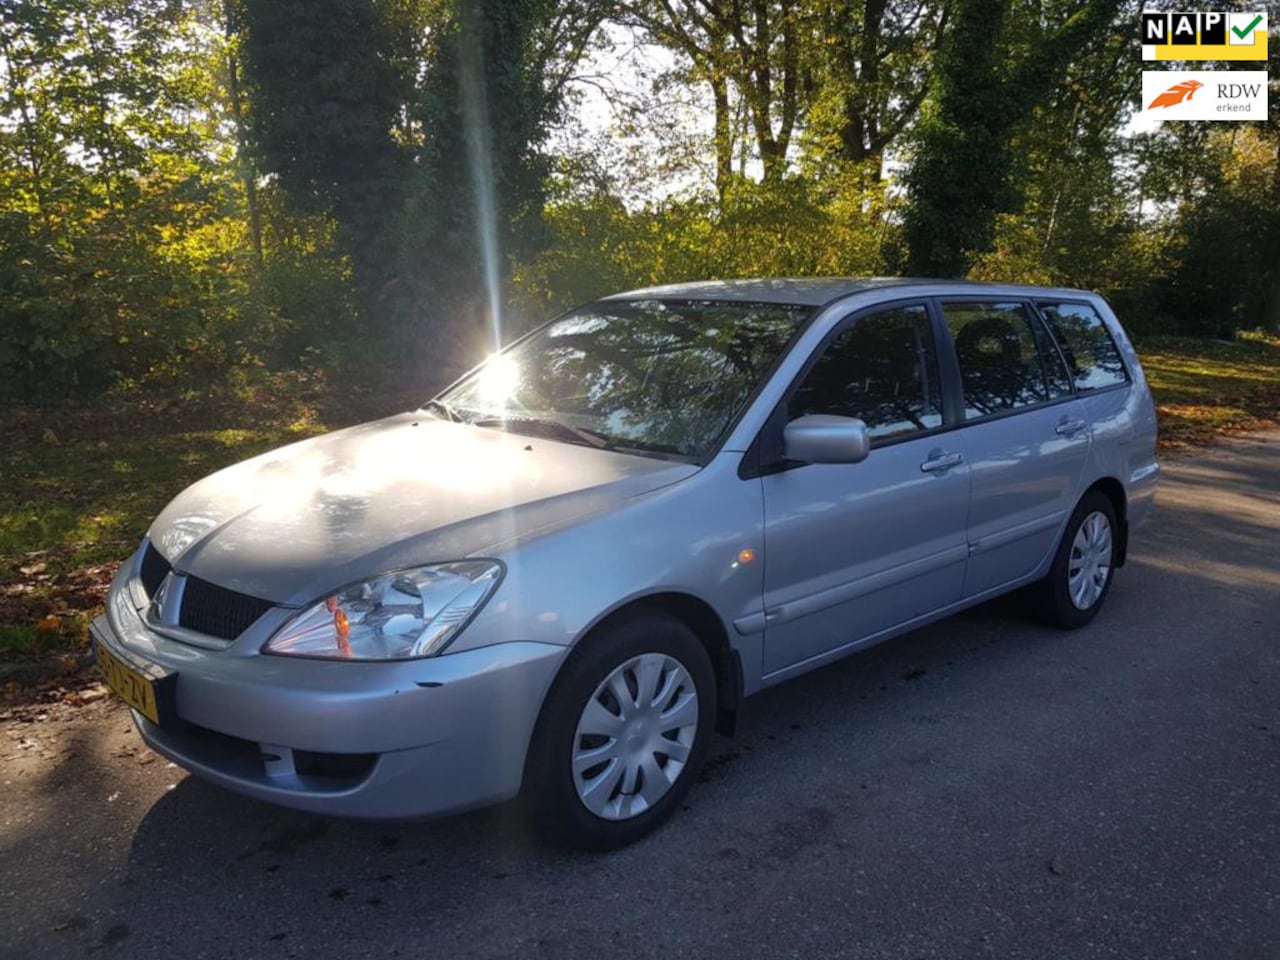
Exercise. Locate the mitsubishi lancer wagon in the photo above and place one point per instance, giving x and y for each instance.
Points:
(558, 577)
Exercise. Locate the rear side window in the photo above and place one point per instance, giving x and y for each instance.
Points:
(1086, 344)
(883, 370)
(1007, 360)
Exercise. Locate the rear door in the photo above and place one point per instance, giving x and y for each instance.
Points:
(852, 550)
(1026, 433)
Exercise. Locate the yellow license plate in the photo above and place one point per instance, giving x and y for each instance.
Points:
(134, 689)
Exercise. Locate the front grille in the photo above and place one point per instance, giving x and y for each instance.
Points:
(217, 611)
(154, 569)
(333, 766)
(318, 773)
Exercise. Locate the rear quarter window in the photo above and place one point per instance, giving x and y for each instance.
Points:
(1087, 345)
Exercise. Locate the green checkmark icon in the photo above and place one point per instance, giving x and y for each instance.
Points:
(1247, 30)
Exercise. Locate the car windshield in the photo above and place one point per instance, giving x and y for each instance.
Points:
(658, 377)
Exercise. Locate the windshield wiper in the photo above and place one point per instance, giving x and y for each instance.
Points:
(644, 446)
(564, 431)
(441, 407)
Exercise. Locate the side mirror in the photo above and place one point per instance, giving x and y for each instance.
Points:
(823, 438)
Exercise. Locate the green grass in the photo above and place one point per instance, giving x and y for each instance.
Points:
(1204, 388)
(86, 498)
(71, 511)
(20, 637)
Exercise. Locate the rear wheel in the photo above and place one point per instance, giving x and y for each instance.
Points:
(622, 734)
(1077, 583)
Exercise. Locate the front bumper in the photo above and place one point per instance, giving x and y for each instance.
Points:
(373, 740)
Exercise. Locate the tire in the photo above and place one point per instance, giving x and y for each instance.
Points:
(597, 776)
(1077, 584)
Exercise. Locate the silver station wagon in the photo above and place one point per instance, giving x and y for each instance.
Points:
(561, 575)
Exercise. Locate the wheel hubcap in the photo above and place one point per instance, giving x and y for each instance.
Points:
(634, 736)
(1090, 564)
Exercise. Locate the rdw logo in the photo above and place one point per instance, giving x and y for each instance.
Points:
(1176, 94)
(1204, 94)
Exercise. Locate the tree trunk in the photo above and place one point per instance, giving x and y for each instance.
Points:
(111, 162)
(872, 20)
(1271, 307)
(773, 158)
(247, 172)
(17, 82)
(723, 135)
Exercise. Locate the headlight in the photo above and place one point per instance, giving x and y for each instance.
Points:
(411, 613)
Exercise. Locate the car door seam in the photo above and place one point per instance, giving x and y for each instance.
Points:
(821, 600)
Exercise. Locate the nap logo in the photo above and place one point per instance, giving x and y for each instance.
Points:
(1204, 94)
(1209, 35)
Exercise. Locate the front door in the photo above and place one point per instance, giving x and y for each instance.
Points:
(853, 550)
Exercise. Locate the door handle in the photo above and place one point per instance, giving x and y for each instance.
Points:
(1069, 427)
(942, 461)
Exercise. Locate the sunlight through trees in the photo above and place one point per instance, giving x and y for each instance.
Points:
(189, 187)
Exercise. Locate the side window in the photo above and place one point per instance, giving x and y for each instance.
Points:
(883, 369)
(1086, 343)
(1006, 359)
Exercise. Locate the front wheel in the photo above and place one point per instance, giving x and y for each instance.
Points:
(1077, 583)
(622, 734)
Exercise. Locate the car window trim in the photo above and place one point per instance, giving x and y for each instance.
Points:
(1003, 414)
(1109, 388)
(949, 360)
(1041, 327)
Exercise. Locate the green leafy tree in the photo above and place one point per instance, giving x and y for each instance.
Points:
(327, 92)
(104, 187)
(759, 55)
(995, 66)
(1074, 173)
(1218, 191)
(874, 66)
(476, 200)
(418, 127)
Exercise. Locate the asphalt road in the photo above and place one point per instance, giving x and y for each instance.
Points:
(982, 788)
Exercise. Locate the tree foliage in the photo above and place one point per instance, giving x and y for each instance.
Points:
(189, 187)
(988, 81)
(875, 64)
(327, 93)
(104, 223)
(125, 252)
(417, 127)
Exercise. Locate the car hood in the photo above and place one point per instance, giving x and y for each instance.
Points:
(296, 523)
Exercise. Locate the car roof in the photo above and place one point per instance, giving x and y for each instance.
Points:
(810, 291)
